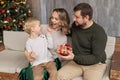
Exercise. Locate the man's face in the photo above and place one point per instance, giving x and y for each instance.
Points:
(79, 19)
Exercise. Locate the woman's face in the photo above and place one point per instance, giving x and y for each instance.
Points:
(55, 21)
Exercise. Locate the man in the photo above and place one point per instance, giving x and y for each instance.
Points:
(88, 43)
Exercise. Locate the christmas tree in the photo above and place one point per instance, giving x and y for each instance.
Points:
(13, 13)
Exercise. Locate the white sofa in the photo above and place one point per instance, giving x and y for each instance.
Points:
(12, 58)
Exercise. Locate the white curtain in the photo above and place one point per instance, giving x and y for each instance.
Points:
(43, 12)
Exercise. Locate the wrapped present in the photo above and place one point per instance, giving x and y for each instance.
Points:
(64, 49)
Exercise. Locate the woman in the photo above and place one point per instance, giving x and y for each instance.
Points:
(59, 24)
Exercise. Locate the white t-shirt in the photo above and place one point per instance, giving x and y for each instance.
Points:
(40, 46)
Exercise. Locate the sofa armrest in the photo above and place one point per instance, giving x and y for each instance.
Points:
(2, 47)
(115, 62)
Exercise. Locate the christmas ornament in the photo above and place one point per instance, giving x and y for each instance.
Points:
(25, 14)
(2, 2)
(14, 20)
(3, 11)
(5, 21)
(16, 10)
(8, 18)
(9, 28)
(14, 6)
(8, 11)
(4, 27)
(29, 11)
(20, 24)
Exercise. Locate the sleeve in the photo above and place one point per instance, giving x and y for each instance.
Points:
(49, 41)
(28, 47)
(98, 44)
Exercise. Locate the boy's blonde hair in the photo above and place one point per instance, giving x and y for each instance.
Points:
(30, 22)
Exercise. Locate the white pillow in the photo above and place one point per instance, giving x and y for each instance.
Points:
(15, 40)
(110, 46)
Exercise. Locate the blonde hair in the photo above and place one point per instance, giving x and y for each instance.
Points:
(64, 20)
(30, 22)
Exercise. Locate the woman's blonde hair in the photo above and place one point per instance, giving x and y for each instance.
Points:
(30, 22)
(64, 20)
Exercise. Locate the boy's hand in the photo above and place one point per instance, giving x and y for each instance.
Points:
(31, 56)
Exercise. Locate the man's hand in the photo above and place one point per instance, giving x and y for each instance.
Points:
(69, 57)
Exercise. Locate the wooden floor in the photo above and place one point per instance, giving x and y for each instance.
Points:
(5, 79)
(115, 64)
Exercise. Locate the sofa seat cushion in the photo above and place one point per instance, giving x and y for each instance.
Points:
(110, 47)
(11, 60)
(23, 65)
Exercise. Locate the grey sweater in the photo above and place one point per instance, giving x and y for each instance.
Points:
(88, 44)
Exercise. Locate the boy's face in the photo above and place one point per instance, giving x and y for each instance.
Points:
(37, 28)
(55, 20)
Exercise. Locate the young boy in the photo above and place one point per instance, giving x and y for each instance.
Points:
(38, 46)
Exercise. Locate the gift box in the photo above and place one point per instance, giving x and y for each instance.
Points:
(64, 49)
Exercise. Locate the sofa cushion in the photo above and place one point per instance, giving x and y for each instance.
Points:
(23, 65)
(14, 40)
(11, 60)
(110, 46)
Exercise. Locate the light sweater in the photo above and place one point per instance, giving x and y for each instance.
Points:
(58, 39)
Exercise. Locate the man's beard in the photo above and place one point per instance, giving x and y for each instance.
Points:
(81, 25)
